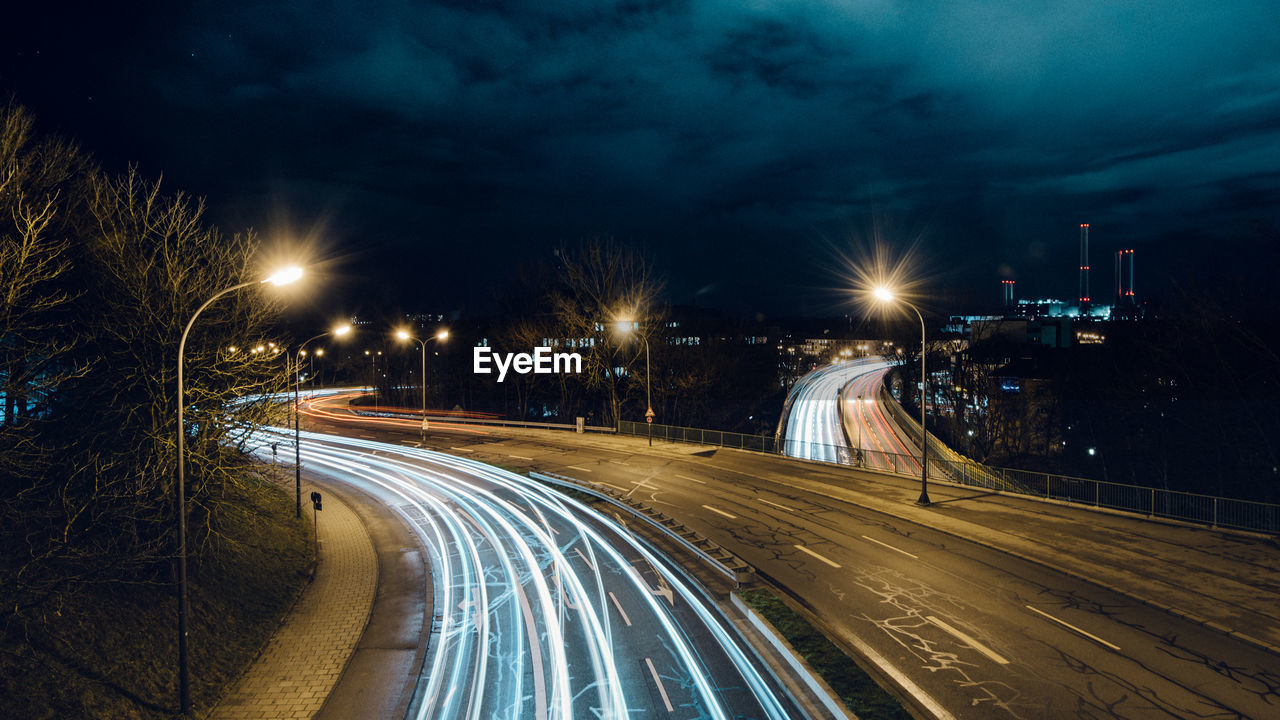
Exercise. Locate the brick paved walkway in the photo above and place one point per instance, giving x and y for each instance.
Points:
(303, 661)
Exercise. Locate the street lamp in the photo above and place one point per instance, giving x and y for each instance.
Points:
(280, 277)
(339, 331)
(404, 335)
(625, 327)
(885, 295)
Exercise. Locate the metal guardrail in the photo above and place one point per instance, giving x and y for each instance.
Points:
(716, 556)
(719, 438)
(1209, 510)
(444, 419)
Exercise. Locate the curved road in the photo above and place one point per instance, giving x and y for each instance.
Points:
(835, 416)
(545, 608)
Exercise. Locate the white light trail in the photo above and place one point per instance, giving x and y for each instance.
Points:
(524, 629)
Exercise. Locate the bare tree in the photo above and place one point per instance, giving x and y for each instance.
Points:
(605, 283)
(38, 180)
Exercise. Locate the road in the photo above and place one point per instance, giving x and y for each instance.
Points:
(544, 607)
(862, 435)
(961, 628)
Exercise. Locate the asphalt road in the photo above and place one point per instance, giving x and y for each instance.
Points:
(544, 608)
(961, 629)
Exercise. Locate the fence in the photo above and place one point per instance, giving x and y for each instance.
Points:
(759, 443)
(1151, 502)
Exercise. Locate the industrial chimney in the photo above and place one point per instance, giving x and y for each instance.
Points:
(1084, 268)
(1006, 287)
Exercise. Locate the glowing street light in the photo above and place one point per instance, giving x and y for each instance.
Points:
(280, 277)
(404, 335)
(339, 331)
(625, 327)
(885, 295)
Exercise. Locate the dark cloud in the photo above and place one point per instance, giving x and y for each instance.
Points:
(735, 141)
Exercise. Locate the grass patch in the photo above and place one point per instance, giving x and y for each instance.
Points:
(855, 688)
(111, 651)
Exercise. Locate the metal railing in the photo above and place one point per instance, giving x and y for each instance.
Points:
(719, 438)
(1151, 502)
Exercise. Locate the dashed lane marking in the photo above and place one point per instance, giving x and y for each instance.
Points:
(995, 657)
(718, 511)
(1066, 624)
(826, 560)
(658, 681)
(618, 605)
(904, 552)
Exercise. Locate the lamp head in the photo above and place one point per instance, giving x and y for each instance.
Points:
(341, 330)
(402, 335)
(442, 335)
(285, 275)
(883, 294)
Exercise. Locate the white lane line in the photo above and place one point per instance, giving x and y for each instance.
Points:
(615, 487)
(718, 511)
(904, 552)
(519, 457)
(619, 462)
(828, 561)
(461, 449)
(579, 469)
(618, 605)
(584, 559)
(658, 681)
(1064, 623)
(690, 479)
(780, 507)
(995, 657)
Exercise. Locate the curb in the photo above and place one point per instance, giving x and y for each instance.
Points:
(817, 685)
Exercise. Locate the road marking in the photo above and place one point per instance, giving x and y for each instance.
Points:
(618, 605)
(690, 479)
(619, 462)
(806, 550)
(718, 511)
(584, 559)
(1064, 623)
(615, 487)
(904, 552)
(658, 681)
(461, 449)
(519, 457)
(995, 657)
(579, 469)
(780, 507)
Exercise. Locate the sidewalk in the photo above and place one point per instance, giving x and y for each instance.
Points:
(305, 658)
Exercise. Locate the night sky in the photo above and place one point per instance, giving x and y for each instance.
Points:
(744, 146)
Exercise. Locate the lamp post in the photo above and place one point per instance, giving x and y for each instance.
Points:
(884, 294)
(404, 335)
(625, 327)
(297, 414)
(280, 277)
(858, 408)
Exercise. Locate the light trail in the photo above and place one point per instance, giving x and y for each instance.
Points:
(333, 406)
(814, 432)
(526, 585)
